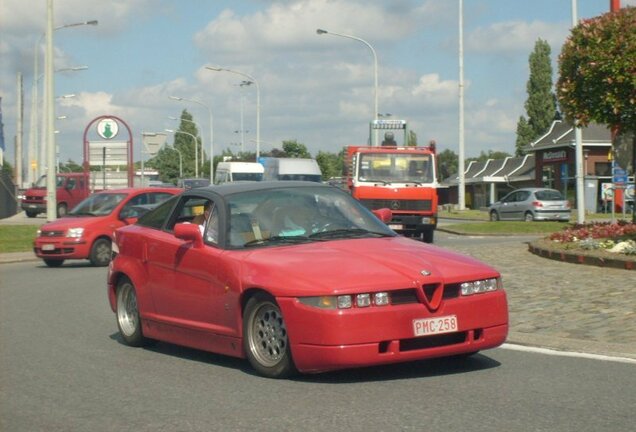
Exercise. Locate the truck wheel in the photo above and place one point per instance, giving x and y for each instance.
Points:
(61, 210)
(31, 214)
(53, 262)
(427, 236)
(100, 253)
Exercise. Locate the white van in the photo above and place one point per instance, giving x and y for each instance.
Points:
(227, 172)
(291, 169)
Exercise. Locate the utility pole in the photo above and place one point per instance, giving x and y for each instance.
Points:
(18, 139)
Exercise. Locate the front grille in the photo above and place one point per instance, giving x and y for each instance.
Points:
(432, 341)
(409, 296)
(33, 198)
(397, 205)
(52, 234)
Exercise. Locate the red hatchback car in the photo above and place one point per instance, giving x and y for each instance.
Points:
(297, 277)
(87, 231)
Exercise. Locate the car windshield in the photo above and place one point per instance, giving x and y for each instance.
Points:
(41, 183)
(100, 204)
(285, 216)
(396, 168)
(549, 195)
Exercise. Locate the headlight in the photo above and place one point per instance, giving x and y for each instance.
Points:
(347, 301)
(75, 232)
(38, 233)
(480, 286)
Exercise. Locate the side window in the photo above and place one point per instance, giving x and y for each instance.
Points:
(523, 196)
(158, 216)
(81, 183)
(158, 197)
(71, 183)
(129, 211)
(511, 198)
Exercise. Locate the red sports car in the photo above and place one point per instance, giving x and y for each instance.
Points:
(297, 277)
(86, 232)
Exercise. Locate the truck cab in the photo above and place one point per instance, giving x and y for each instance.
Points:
(71, 188)
(397, 176)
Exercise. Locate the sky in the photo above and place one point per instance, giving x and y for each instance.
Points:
(316, 89)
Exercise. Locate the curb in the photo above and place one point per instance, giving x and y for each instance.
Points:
(580, 258)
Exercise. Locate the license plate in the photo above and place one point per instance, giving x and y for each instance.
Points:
(439, 325)
(32, 206)
(48, 247)
(396, 226)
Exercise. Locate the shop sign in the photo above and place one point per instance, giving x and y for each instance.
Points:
(555, 156)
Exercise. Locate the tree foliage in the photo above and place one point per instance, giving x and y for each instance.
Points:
(294, 149)
(331, 164)
(541, 103)
(597, 71)
(448, 163)
(525, 136)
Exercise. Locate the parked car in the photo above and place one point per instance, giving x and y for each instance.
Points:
(87, 231)
(71, 189)
(530, 204)
(298, 276)
(191, 183)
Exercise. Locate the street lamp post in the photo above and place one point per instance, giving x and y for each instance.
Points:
(375, 70)
(34, 96)
(258, 102)
(196, 150)
(177, 98)
(180, 161)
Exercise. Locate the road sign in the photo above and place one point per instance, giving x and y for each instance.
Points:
(107, 153)
(153, 141)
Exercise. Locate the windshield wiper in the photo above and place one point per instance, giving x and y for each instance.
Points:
(279, 240)
(384, 182)
(414, 182)
(348, 233)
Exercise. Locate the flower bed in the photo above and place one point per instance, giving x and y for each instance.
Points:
(618, 237)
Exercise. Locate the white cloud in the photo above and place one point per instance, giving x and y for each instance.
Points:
(514, 36)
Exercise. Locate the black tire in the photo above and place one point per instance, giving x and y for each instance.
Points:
(494, 216)
(427, 236)
(528, 217)
(101, 252)
(31, 214)
(265, 338)
(127, 312)
(53, 262)
(62, 210)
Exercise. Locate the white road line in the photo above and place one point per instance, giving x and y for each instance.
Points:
(547, 351)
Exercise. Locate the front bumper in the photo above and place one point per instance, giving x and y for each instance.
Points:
(336, 339)
(412, 223)
(38, 207)
(61, 248)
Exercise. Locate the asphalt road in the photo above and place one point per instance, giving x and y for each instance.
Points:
(63, 368)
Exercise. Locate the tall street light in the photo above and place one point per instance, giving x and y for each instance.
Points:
(34, 95)
(375, 70)
(258, 102)
(196, 151)
(181, 99)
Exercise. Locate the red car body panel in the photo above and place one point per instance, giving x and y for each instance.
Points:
(195, 296)
(95, 227)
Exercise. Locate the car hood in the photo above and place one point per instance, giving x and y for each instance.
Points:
(67, 222)
(350, 265)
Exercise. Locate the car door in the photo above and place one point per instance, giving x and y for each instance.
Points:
(194, 295)
(507, 208)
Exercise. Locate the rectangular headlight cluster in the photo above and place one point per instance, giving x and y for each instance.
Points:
(347, 301)
(480, 286)
(75, 232)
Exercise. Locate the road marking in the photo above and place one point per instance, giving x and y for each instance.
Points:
(547, 351)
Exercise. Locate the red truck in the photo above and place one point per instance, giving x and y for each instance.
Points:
(399, 177)
(71, 189)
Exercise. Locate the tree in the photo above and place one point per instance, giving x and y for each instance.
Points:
(330, 164)
(597, 76)
(597, 71)
(448, 162)
(412, 139)
(541, 103)
(483, 156)
(294, 149)
(524, 136)
(167, 159)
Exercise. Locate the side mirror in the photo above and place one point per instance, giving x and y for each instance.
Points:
(189, 232)
(384, 214)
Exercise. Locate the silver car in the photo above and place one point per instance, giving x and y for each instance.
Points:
(530, 204)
